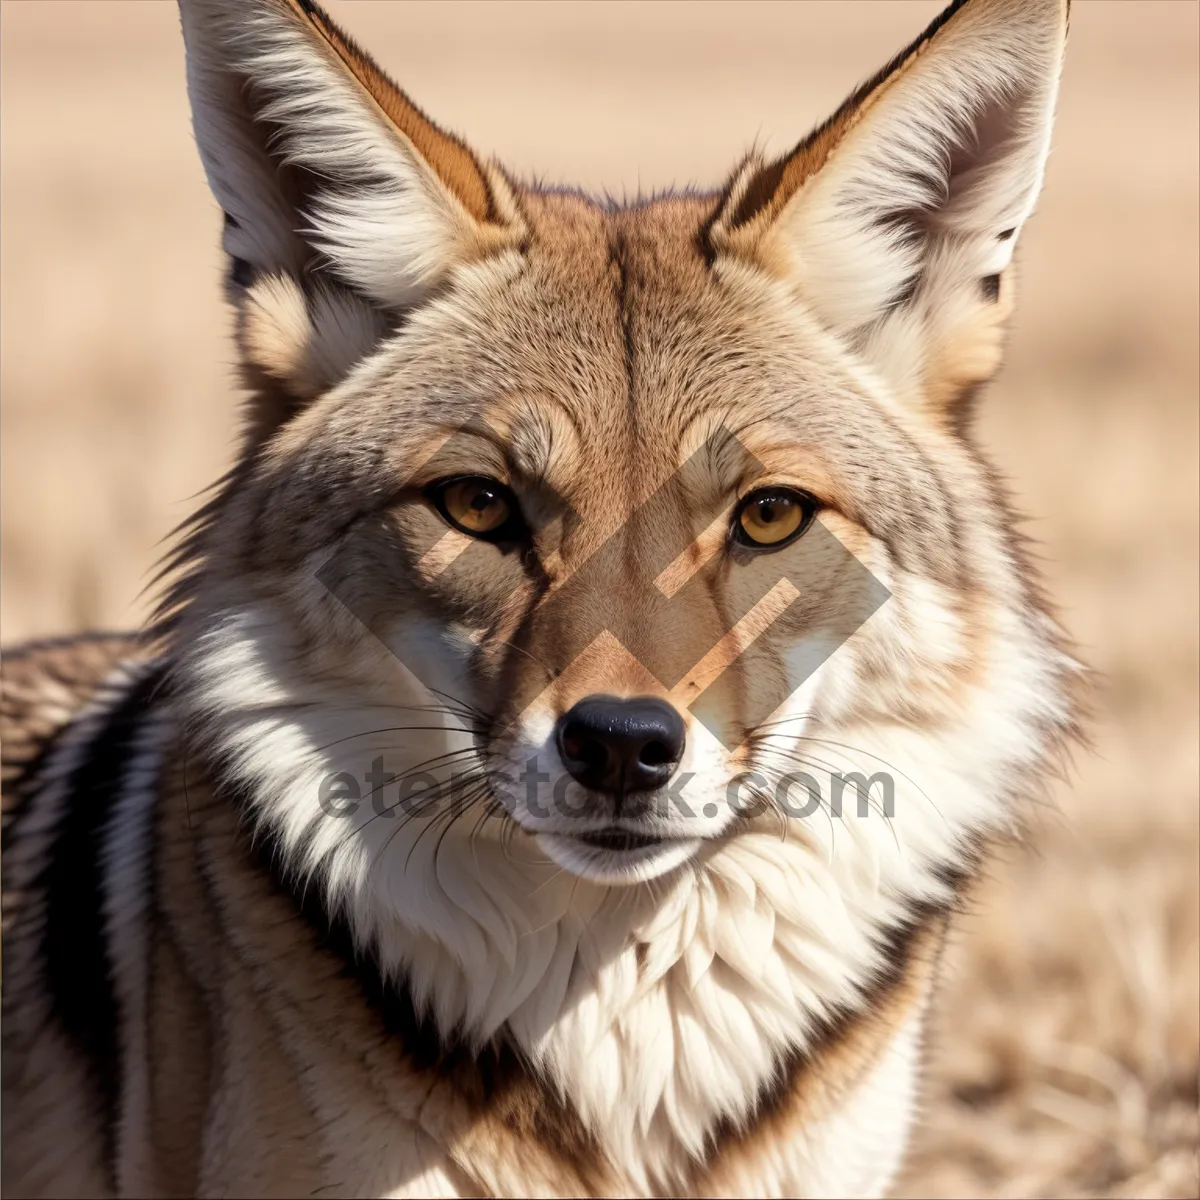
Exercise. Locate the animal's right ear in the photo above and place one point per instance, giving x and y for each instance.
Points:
(343, 202)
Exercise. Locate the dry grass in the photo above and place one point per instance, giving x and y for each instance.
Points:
(1065, 1060)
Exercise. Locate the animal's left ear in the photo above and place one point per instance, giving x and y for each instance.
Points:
(895, 220)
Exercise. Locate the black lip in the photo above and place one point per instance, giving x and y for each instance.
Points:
(619, 839)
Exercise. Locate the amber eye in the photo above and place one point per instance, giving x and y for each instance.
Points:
(481, 507)
(773, 517)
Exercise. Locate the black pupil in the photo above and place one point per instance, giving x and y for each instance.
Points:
(484, 498)
(772, 509)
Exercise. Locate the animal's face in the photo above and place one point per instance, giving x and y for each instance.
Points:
(642, 495)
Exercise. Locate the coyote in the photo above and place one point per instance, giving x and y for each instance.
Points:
(468, 820)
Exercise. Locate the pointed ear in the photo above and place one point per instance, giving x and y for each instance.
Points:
(896, 219)
(342, 199)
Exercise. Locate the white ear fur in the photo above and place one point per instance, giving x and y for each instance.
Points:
(916, 191)
(268, 94)
(307, 342)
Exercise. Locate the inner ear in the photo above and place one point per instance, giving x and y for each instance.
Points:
(992, 135)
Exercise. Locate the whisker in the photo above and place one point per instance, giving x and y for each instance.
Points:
(824, 809)
(861, 750)
(804, 716)
(467, 707)
(537, 662)
(386, 729)
(797, 759)
(424, 800)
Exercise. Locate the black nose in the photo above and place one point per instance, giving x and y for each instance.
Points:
(620, 746)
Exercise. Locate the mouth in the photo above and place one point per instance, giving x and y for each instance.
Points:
(620, 840)
(616, 855)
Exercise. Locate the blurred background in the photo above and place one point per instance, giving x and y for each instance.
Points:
(1064, 1059)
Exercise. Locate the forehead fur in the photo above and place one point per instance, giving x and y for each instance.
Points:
(594, 362)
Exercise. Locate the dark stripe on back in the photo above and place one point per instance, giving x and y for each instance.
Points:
(74, 947)
(26, 783)
(34, 677)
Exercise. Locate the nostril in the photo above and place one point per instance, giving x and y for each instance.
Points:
(582, 746)
(655, 754)
(572, 742)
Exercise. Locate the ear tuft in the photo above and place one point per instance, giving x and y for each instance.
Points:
(306, 343)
